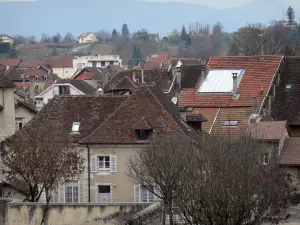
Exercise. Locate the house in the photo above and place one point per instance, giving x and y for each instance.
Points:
(87, 37)
(6, 39)
(24, 112)
(35, 80)
(154, 37)
(292, 25)
(110, 129)
(10, 62)
(7, 105)
(287, 98)
(62, 66)
(96, 61)
(63, 87)
(101, 75)
(232, 92)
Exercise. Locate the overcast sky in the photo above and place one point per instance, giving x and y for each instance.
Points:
(226, 3)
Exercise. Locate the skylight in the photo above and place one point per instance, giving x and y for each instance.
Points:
(220, 81)
(75, 127)
(288, 86)
(230, 123)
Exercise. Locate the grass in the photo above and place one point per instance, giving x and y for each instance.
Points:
(102, 49)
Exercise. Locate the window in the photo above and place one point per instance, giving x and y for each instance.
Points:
(146, 194)
(94, 64)
(230, 123)
(71, 193)
(104, 163)
(62, 90)
(36, 78)
(104, 193)
(143, 134)
(19, 124)
(36, 88)
(288, 86)
(45, 78)
(75, 127)
(265, 158)
(102, 64)
(111, 63)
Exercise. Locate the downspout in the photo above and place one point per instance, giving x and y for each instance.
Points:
(89, 174)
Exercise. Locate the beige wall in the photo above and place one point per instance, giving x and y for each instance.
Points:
(64, 72)
(71, 214)
(7, 116)
(122, 185)
(24, 113)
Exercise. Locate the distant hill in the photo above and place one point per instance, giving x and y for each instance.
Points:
(51, 16)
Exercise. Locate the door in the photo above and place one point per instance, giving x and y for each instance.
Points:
(104, 193)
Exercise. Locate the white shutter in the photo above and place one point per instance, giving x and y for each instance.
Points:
(81, 190)
(111, 193)
(137, 193)
(61, 193)
(113, 164)
(94, 164)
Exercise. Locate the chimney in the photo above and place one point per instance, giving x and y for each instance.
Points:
(133, 75)
(31, 88)
(234, 85)
(143, 76)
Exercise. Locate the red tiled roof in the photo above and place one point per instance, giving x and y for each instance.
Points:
(25, 85)
(63, 61)
(35, 72)
(258, 73)
(163, 57)
(31, 63)
(10, 62)
(267, 130)
(85, 76)
(290, 153)
(83, 35)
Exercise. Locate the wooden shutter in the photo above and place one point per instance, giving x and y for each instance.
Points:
(94, 164)
(61, 193)
(81, 190)
(137, 193)
(113, 164)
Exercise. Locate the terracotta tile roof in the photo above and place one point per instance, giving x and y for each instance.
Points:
(290, 153)
(286, 103)
(159, 58)
(31, 63)
(83, 35)
(60, 61)
(10, 62)
(259, 72)
(267, 130)
(142, 125)
(152, 65)
(90, 111)
(146, 103)
(209, 114)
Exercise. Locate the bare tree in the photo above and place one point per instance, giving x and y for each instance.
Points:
(19, 39)
(69, 38)
(32, 40)
(103, 36)
(157, 167)
(232, 182)
(276, 37)
(40, 159)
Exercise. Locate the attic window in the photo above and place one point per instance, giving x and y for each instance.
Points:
(143, 134)
(230, 123)
(75, 127)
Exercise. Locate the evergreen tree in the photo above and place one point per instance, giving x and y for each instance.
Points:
(114, 33)
(184, 35)
(290, 14)
(125, 30)
(12, 52)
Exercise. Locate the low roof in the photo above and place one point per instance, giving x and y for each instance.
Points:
(10, 62)
(267, 130)
(81, 85)
(290, 153)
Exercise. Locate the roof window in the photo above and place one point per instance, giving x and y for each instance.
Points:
(75, 127)
(230, 123)
(288, 86)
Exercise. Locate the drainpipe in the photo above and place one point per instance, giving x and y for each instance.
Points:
(89, 174)
(234, 85)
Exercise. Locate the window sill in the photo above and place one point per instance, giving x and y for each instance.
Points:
(103, 173)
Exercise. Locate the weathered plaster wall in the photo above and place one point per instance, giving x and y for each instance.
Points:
(69, 214)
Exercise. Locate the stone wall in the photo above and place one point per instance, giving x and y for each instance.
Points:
(68, 214)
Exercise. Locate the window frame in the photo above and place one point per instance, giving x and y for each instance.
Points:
(103, 168)
(73, 197)
(148, 194)
(230, 123)
(75, 124)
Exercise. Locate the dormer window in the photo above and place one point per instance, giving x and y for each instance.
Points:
(143, 134)
(75, 127)
(230, 123)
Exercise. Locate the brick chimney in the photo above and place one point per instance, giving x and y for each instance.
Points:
(234, 85)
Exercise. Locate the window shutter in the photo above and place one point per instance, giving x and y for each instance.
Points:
(137, 193)
(113, 164)
(93, 164)
(81, 190)
(157, 192)
(61, 192)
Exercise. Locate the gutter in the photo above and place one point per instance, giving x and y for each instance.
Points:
(214, 121)
(89, 174)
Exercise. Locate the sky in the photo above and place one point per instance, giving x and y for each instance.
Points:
(222, 4)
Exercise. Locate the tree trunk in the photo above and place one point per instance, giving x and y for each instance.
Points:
(45, 210)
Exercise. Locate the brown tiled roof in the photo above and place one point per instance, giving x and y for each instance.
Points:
(60, 61)
(146, 103)
(195, 117)
(159, 58)
(267, 130)
(290, 153)
(142, 125)
(126, 83)
(190, 75)
(286, 103)
(14, 74)
(10, 62)
(185, 61)
(31, 63)
(90, 111)
(259, 72)
(27, 105)
(4, 81)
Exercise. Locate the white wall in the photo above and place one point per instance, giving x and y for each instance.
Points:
(64, 72)
(86, 61)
